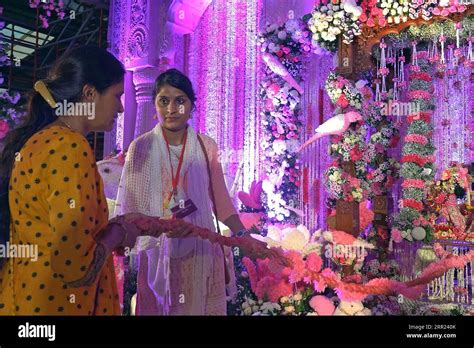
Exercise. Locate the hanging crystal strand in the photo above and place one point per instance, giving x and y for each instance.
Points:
(383, 65)
(414, 58)
(435, 51)
(377, 85)
(470, 54)
(442, 40)
(401, 67)
(465, 279)
(395, 76)
(452, 61)
(458, 26)
(472, 280)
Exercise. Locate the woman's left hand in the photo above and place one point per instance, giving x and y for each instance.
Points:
(256, 249)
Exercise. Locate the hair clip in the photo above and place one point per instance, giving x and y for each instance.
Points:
(41, 88)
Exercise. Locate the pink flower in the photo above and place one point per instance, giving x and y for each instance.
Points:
(342, 101)
(379, 148)
(314, 262)
(341, 237)
(322, 305)
(335, 139)
(390, 181)
(416, 183)
(382, 233)
(396, 235)
(394, 141)
(4, 129)
(269, 105)
(446, 175)
(299, 267)
(273, 89)
(356, 154)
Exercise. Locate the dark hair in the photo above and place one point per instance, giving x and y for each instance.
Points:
(66, 79)
(176, 79)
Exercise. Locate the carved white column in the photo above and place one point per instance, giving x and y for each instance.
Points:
(144, 79)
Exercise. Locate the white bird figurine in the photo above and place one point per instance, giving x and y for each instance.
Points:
(336, 125)
(275, 65)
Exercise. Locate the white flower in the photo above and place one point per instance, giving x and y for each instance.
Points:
(270, 307)
(284, 299)
(292, 145)
(289, 309)
(279, 146)
(297, 35)
(291, 25)
(282, 35)
(267, 186)
(255, 309)
(327, 236)
(248, 311)
(245, 305)
(295, 238)
(298, 297)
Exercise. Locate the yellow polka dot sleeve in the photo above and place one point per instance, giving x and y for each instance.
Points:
(75, 201)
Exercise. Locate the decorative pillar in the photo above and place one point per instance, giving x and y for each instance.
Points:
(126, 129)
(144, 79)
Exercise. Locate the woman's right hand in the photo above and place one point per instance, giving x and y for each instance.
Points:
(155, 226)
(178, 228)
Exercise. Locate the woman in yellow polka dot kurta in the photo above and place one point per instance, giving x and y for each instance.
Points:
(57, 175)
(52, 198)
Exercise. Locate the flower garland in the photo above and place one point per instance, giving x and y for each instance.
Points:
(342, 92)
(395, 11)
(269, 281)
(266, 287)
(348, 147)
(382, 170)
(452, 6)
(291, 44)
(47, 8)
(386, 269)
(417, 156)
(454, 180)
(423, 9)
(332, 18)
(372, 15)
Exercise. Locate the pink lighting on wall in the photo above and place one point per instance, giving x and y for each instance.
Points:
(184, 15)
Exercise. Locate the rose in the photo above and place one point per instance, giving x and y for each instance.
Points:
(4, 129)
(356, 154)
(396, 235)
(342, 101)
